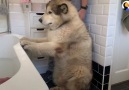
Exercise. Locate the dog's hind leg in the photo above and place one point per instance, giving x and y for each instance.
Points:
(77, 85)
(80, 80)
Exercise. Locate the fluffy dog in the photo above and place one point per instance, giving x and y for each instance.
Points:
(69, 42)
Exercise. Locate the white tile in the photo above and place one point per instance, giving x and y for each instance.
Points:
(113, 1)
(90, 18)
(113, 8)
(104, 1)
(100, 40)
(97, 9)
(96, 48)
(14, 1)
(102, 20)
(96, 29)
(15, 8)
(109, 41)
(109, 51)
(104, 31)
(102, 51)
(112, 20)
(17, 23)
(92, 2)
(108, 31)
(18, 30)
(16, 16)
(108, 60)
(17, 19)
(40, 1)
(111, 30)
(106, 51)
(105, 9)
(99, 59)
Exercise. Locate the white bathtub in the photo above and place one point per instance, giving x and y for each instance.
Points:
(15, 63)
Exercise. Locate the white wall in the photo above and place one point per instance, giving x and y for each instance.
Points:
(100, 20)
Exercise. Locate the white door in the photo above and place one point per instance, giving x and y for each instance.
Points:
(120, 65)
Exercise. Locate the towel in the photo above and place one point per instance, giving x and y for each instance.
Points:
(3, 7)
(125, 17)
(2, 80)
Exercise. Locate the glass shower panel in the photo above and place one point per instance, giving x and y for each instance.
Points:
(3, 16)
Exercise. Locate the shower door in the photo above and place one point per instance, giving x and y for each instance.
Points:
(3, 16)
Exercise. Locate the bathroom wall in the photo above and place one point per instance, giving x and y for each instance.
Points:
(100, 24)
(100, 20)
(17, 19)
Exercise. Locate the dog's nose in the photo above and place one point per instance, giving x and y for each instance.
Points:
(40, 20)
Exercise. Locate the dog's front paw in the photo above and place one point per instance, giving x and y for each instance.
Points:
(24, 38)
(28, 47)
(25, 44)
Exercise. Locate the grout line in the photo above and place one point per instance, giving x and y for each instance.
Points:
(97, 72)
(95, 86)
(97, 81)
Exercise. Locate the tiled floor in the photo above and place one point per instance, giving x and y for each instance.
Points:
(121, 86)
(93, 87)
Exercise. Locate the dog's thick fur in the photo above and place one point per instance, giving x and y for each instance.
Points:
(69, 42)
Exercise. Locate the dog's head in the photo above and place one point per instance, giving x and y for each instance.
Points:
(58, 12)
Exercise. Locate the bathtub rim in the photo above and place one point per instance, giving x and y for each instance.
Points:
(31, 79)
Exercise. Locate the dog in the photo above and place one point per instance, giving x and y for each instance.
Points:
(69, 42)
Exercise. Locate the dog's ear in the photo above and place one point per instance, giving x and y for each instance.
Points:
(63, 8)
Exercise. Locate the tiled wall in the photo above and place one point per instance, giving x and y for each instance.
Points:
(97, 18)
(17, 19)
(100, 19)
(101, 76)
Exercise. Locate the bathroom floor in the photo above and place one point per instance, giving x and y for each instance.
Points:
(121, 86)
(93, 87)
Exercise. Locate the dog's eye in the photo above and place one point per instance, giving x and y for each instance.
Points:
(49, 12)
